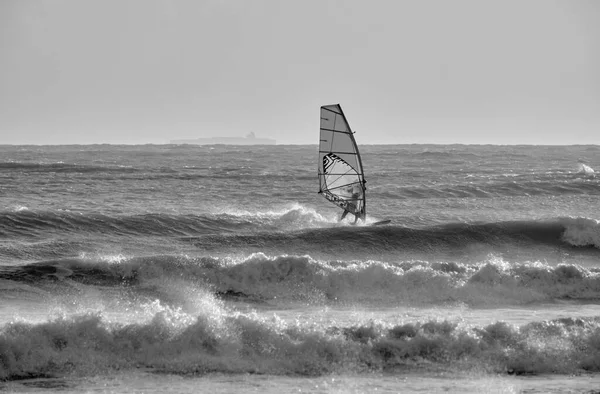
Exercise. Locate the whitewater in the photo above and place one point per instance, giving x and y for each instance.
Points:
(180, 268)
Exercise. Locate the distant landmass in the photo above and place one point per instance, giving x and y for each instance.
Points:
(249, 140)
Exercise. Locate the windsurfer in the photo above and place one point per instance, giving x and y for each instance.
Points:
(352, 205)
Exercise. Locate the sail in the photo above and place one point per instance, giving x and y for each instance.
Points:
(341, 176)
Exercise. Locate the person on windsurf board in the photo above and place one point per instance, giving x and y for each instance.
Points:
(340, 169)
(352, 206)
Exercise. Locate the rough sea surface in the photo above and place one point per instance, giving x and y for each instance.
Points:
(180, 268)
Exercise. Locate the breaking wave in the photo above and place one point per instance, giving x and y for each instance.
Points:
(263, 279)
(216, 340)
(585, 169)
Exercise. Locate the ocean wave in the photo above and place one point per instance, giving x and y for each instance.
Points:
(491, 282)
(295, 228)
(225, 342)
(585, 169)
(39, 250)
(290, 217)
(283, 279)
(581, 231)
(61, 167)
(559, 232)
(572, 185)
(233, 172)
(28, 223)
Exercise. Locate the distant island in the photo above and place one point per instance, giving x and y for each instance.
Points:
(249, 140)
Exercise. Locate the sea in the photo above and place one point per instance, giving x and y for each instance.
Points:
(221, 269)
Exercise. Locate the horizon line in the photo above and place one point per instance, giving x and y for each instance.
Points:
(295, 144)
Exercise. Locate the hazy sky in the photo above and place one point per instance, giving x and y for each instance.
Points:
(426, 71)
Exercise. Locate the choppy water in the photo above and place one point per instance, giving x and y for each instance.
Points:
(156, 268)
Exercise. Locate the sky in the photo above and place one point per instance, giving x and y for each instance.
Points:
(422, 71)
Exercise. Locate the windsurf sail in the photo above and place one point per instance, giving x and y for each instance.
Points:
(341, 177)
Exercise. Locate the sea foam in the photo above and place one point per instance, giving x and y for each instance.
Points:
(581, 231)
(85, 345)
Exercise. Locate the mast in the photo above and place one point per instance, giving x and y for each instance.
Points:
(363, 187)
